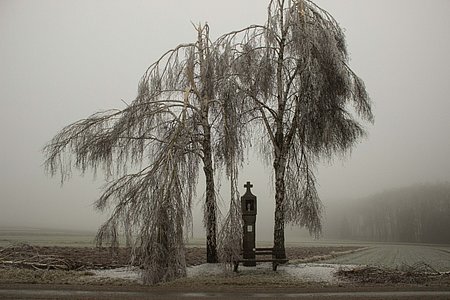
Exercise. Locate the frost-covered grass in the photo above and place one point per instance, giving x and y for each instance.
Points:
(323, 273)
(397, 256)
(30, 276)
(46, 237)
(55, 237)
(262, 274)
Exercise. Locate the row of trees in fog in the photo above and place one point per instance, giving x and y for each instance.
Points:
(415, 214)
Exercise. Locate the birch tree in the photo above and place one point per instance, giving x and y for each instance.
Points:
(305, 101)
(184, 116)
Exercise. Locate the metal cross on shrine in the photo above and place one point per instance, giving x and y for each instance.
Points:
(248, 185)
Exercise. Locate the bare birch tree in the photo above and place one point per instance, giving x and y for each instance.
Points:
(185, 115)
(294, 71)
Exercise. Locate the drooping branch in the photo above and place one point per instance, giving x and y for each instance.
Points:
(296, 67)
(186, 113)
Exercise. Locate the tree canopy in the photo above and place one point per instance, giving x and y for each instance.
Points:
(184, 115)
(286, 83)
(294, 71)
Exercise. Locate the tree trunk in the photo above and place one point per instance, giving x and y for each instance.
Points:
(211, 222)
(280, 192)
(279, 163)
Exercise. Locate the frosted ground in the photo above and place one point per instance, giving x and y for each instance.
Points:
(311, 272)
(397, 256)
(390, 256)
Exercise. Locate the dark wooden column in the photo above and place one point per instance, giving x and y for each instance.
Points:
(248, 206)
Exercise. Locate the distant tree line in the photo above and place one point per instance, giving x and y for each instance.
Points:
(419, 214)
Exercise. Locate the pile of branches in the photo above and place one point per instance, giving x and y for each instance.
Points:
(27, 256)
(419, 273)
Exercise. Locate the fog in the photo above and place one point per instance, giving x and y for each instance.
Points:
(61, 61)
(413, 214)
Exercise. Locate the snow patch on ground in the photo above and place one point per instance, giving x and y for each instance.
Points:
(314, 272)
(306, 272)
(205, 270)
(128, 273)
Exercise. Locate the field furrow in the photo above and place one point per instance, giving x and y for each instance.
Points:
(397, 256)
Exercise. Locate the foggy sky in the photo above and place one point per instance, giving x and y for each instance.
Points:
(61, 61)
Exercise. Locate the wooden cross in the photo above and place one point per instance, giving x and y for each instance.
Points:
(248, 185)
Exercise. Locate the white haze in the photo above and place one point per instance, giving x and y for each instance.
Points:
(63, 60)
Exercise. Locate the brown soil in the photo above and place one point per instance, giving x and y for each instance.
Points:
(421, 274)
(74, 258)
(28, 264)
(25, 264)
